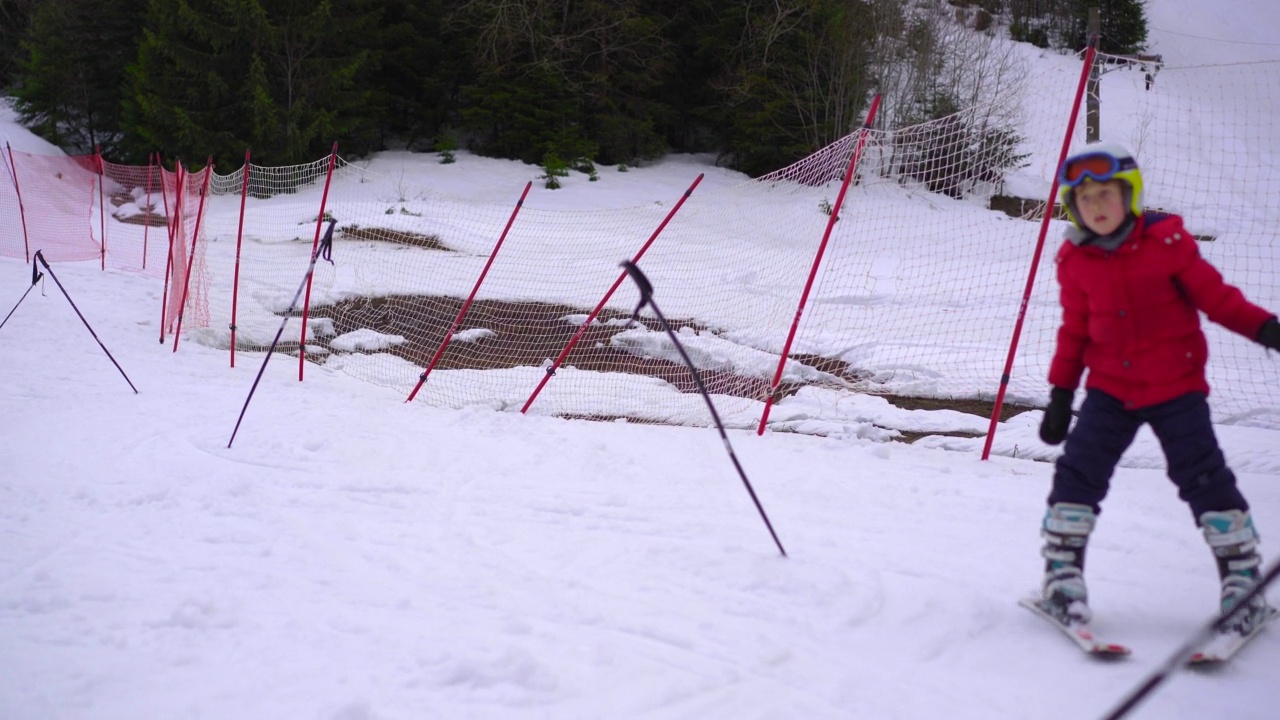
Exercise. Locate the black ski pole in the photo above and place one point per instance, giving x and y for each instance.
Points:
(646, 298)
(325, 248)
(36, 275)
(1182, 654)
(40, 257)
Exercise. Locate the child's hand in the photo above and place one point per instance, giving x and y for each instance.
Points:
(1269, 335)
(1057, 417)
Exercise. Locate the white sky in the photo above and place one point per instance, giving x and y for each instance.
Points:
(354, 557)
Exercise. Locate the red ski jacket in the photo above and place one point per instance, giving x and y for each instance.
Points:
(1130, 315)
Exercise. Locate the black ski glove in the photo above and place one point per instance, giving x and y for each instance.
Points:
(1057, 417)
(1269, 335)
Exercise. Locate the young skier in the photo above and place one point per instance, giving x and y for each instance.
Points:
(1132, 287)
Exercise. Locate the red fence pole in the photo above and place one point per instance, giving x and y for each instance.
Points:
(235, 284)
(1035, 258)
(146, 224)
(463, 312)
(102, 203)
(22, 213)
(195, 239)
(171, 220)
(315, 244)
(623, 276)
(817, 260)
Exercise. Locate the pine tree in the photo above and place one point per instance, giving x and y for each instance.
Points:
(420, 72)
(1123, 25)
(15, 22)
(570, 79)
(1064, 24)
(796, 79)
(285, 79)
(76, 52)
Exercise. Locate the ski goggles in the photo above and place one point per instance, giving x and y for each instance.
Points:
(1101, 168)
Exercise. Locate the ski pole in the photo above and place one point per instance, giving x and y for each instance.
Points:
(323, 248)
(39, 257)
(1184, 653)
(646, 298)
(36, 275)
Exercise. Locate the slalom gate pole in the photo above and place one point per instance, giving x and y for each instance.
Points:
(102, 202)
(235, 284)
(817, 261)
(195, 239)
(1180, 656)
(172, 218)
(463, 312)
(35, 278)
(306, 303)
(608, 294)
(646, 298)
(1089, 53)
(22, 212)
(40, 258)
(146, 221)
(323, 247)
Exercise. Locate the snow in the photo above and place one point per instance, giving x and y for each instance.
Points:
(356, 557)
(365, 339)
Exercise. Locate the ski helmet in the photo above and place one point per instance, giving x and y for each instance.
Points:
(1101, 161)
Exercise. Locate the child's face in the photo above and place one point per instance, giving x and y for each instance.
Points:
(1101, 205)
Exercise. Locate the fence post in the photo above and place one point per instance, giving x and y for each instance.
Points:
(1035, 256)
(235, 284)
(22, 213)
(1093, 101)
(315, 245)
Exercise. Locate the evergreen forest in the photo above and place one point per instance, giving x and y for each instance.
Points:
(759, 83)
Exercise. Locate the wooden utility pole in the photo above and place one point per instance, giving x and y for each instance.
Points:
(1092, 102)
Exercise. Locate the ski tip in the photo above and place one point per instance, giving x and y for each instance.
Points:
(1201, 661)
(1110, 650)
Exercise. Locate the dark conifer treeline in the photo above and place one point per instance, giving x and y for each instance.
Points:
(761, 83)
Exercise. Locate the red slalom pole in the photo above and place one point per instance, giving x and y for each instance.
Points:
(1035, 258)
(623, 276)
(172, 218)
(22, 213)
(146, 224)
(315, 246)
(102, 203)
(235, 284)
(463, 312)
(195, 239)
(817, 261)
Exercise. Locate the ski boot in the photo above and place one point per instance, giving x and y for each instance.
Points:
(1066, 532)
(1234, 541)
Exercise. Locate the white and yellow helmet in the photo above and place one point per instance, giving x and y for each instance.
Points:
(1101, 161)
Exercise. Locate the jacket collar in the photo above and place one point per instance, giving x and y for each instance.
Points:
(1131, 229)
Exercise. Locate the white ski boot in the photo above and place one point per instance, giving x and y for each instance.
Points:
(1066, 532)
(1234, 542)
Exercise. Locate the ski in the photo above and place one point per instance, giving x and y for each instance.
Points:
(1226, 644)
(1079, 632)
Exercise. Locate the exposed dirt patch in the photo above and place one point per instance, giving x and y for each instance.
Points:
(401, 237)
(981, 408)
(529, 333)
(152, 219)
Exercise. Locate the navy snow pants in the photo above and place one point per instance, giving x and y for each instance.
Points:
(1105, 429)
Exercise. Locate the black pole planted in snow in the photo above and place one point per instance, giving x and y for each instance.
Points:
(1184, 653)
(646, 298)
(35, 278)
(323, 248)
(39, 257)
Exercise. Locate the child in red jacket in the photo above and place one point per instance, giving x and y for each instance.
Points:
(1133, 285)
